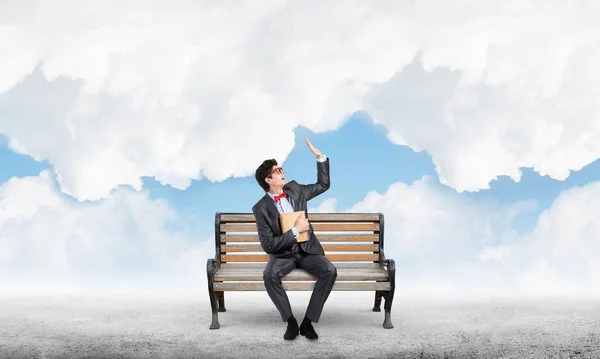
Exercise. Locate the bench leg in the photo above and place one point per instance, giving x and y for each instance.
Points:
(221, 297)
(215, 315)
(387, 322)
(212, 295)
(389, 296)
(377, 306)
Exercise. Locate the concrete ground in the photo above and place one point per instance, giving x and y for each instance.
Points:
(176, 326)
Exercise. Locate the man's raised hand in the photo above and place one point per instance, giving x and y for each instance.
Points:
(312, 148)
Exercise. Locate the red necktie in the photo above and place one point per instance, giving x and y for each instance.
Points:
(278, 197)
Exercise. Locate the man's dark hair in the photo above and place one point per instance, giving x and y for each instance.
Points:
(263, 171)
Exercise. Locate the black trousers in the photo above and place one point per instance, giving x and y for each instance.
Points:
(315, 264)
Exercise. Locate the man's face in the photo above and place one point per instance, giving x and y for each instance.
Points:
(277, 177)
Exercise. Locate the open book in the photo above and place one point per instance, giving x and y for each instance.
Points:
(287, 221)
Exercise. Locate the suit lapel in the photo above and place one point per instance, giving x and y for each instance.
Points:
(273, 212)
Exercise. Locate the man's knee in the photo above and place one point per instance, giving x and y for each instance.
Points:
(330, 272)
(272, 275)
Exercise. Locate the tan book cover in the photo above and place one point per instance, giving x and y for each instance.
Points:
(287, 221)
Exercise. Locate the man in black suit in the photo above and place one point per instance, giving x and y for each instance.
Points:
(284, 250)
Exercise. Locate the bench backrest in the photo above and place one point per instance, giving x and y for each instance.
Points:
(345, 237)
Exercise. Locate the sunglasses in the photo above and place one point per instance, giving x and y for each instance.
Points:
(276, 170)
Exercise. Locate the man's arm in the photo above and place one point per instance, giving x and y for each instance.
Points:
(322, 184)
(269, 242)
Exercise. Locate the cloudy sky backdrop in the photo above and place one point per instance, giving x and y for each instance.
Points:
(473, 126)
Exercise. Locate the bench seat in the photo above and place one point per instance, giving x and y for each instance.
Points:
(356, 278)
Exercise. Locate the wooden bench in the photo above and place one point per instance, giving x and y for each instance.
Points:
(353, 242)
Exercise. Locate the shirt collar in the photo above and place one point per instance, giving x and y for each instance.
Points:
(273, 196)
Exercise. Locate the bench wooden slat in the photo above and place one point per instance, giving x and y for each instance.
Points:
(303, 286)
(226, 272)
(341, 227)
(256, 274)
(323, 237)
(331, 257)
(338, 265)
(314, 217)
(228, 248)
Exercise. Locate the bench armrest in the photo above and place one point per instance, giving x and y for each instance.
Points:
(388, 265)
(382, 261)
(212, 264)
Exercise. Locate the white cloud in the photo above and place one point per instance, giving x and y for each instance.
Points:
(327, 206)
(126, 242)
(446, 244)
(563, 251)
(436, 236)
(187, 90)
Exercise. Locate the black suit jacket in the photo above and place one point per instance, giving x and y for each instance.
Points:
(283, 245)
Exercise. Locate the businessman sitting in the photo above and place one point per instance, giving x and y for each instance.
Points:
(284, 250)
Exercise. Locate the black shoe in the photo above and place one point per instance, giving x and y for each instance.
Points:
(308, 331)
(292, 332)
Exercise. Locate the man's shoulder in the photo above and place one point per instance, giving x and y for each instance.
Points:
(258, 203)
(292, 184)
(259, 210)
